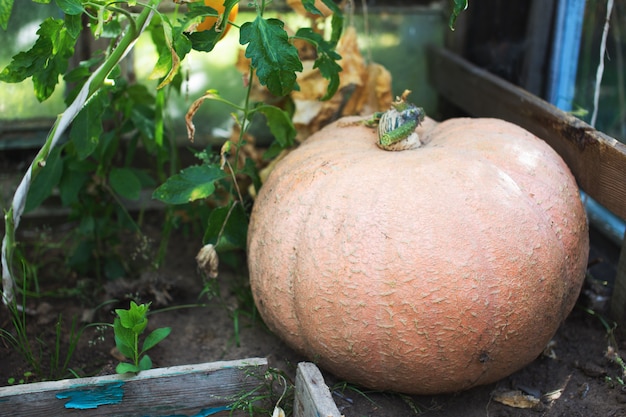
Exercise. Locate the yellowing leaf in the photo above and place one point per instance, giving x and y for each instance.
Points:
(190, 184)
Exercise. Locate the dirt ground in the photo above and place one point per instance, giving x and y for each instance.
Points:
(574, 378)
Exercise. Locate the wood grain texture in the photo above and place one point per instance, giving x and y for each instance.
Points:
(204, 389)
(313, 398)
(598, 161)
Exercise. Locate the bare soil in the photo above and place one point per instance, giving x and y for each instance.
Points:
(573, 378)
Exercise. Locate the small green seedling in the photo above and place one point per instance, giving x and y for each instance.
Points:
(24, 380)
(127, 327)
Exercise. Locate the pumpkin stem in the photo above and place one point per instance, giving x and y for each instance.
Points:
(396, 126)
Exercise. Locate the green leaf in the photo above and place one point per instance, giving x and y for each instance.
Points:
(124, 339)
(273, 57)
(232, 222)
(457, 8)
(143, 119)
(111, 29)
(75, 174)
(125, 349)
(79, 75)
(333, 7)
(71, 7)
(326, 60)
(309, 6)
(336, 22)
(125, 318)
(135, 317)
(252, 172)
(164, 63)
(43, 184)
(190, 184)
(173, 48)
(45, 61)
(198, 9)
(280, 124)
(61, 49)
(123, 368)
(74, 25)
(204, 41)
(155, 337)
(87, 126)
(145, 363)
(5, 13)
(125, 183)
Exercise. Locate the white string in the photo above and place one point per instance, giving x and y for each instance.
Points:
(600, 70)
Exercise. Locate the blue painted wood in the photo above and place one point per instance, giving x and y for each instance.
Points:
(181, 391)
(565, 50)
(83, 399)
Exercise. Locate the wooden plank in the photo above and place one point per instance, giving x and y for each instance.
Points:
(198, 390)
(313, 398)
(24, 133)
(598, 161)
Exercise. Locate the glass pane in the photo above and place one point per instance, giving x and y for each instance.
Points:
(612, 103)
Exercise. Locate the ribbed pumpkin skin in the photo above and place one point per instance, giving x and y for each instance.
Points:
(423, 271)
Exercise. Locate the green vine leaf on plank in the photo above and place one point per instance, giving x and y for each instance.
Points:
(273, 57)
(457, 8)
(190, 184)
(326, 60)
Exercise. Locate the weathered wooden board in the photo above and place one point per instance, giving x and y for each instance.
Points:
(598, 161)
(24, 133)
(189, 390)
(313, 398)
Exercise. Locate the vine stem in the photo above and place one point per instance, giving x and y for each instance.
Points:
(92, 85)
(600, 70)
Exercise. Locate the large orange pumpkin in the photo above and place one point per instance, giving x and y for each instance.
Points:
(421, 271)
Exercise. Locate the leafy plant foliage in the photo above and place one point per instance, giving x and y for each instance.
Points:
(110, 118)
(127, 327)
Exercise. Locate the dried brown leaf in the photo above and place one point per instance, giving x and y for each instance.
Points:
(208, 261)
(516, 399)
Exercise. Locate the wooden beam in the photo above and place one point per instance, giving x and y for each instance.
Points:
(313, 398)
(204, 389)
(598, 161)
